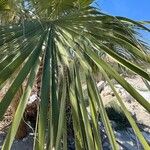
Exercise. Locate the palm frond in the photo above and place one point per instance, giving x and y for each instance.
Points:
(74, 36)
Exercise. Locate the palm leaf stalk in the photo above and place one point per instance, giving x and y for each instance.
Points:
(75, 35)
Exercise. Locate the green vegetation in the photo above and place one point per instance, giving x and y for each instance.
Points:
(67, 37)
(115, 113)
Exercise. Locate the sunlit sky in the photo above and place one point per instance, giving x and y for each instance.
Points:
(134, 9)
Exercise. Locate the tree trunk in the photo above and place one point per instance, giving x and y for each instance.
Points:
(22, 130)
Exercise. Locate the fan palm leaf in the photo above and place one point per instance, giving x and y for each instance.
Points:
(71, 34)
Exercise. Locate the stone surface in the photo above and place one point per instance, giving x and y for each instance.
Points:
(24, 144)
(141, 115)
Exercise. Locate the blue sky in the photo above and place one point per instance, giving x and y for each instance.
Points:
(133, 9)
